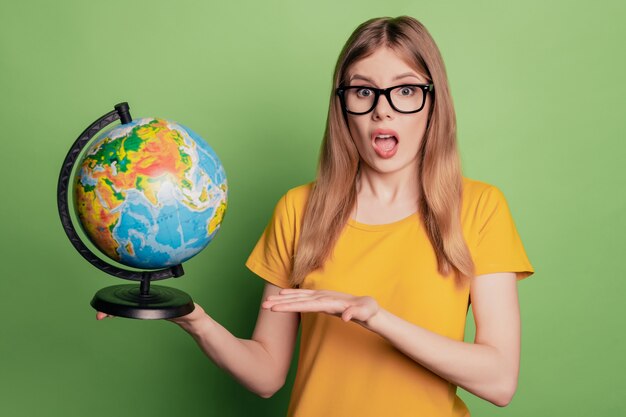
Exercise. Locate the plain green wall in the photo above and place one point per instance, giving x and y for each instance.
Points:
(539, 92)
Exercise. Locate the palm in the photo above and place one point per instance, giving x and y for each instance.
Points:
(347, 306)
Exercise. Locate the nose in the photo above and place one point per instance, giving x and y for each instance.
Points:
(383, 109)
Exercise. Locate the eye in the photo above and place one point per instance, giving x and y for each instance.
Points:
(364, 92)
(406, 91)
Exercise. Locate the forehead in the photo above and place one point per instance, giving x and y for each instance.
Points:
(383, 66)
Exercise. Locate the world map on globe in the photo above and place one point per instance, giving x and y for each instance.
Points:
(150, 193)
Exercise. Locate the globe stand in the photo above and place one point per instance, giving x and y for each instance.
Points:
(143, 301)
(132, 301)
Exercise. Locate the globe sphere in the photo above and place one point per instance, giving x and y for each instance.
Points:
(150, 193)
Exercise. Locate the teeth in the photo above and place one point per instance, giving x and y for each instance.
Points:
(385, 136)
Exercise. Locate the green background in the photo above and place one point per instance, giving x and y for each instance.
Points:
(539, 93)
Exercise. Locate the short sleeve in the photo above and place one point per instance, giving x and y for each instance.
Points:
(498, 246)
(271, 258)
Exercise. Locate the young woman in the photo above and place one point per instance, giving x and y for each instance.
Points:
(379, 257)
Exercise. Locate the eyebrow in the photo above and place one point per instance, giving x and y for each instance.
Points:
(364, 78)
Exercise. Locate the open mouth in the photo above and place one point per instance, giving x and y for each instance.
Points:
(385, 145)
(385, 142)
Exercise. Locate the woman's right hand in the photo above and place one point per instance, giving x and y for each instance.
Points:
(187, 321)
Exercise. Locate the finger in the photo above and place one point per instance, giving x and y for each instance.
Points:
(311, 306)
(286, 297)
(271, 303)
(300, 306)
(100, 315)
(292, 298)
(358, 313)
(295, 291)
(347, 314)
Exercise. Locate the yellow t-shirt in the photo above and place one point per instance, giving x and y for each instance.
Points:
(346, 370)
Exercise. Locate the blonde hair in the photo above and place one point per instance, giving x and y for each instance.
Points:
(333, 194)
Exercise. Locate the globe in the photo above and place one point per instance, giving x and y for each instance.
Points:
(150, 193)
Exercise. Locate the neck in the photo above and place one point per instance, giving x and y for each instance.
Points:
(388, 188)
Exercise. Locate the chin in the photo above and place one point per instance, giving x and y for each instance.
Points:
(389, 166)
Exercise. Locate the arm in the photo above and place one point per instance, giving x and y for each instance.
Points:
(260, 364)
(487, 368)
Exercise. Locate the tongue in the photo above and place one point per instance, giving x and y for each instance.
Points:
(386, 144)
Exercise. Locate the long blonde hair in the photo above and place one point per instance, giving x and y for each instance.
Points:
(333, 195)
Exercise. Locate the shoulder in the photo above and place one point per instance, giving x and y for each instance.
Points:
(292, 203)
(474, 188)
(477, 192)
(298, 196)
(480, 199)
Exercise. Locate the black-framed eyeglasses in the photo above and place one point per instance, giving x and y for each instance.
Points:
(404, 98)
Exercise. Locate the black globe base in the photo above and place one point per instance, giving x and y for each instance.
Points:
(128, 301)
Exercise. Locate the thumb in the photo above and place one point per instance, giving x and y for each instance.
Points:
(348, 314)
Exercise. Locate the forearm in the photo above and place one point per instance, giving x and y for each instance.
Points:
(477, 368)
(246, 360)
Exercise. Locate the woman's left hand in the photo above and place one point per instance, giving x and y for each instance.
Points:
(347, 306)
